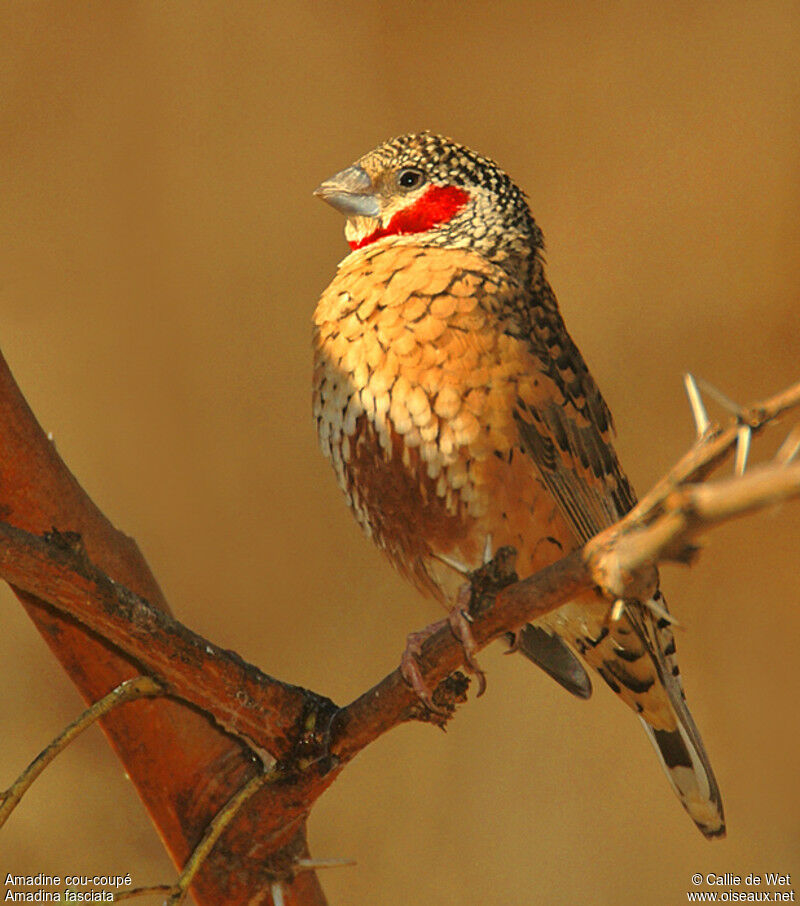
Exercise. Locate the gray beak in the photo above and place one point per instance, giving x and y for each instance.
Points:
(351, 193)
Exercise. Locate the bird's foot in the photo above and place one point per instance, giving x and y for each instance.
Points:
(409, 665)
(473, 598)
(460, 625)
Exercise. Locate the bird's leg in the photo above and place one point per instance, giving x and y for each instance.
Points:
(461, 627)
(461, 622)
(473, 598)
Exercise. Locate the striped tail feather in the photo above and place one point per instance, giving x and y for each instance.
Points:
(634, 652)
(689, 772)
(679, 747)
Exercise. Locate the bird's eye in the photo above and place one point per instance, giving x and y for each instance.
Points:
(410, 178)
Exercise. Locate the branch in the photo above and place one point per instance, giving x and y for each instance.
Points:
(265, 713)
(714, 446)
(687, 513)
(164, 746)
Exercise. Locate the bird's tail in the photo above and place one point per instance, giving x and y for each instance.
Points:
(634, 652)
(680, 748)
(687, 767)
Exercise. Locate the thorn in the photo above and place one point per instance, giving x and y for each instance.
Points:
(619, 608)
(743, 437)
(662, 613)
(725, 401)
(487, 549)
(789, 448)
(699, 413)
(457, 565)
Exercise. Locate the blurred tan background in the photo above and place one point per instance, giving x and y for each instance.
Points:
(160, 257)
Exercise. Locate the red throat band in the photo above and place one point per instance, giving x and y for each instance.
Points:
(436, 206)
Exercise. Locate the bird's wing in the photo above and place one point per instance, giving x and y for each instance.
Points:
(552, 654)
(567, 430)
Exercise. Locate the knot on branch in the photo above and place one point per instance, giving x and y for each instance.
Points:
(452, 691)
(312, 741)
(71, 546)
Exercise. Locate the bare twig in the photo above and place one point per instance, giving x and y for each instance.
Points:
(166, 747)
(178, 891)
(130, 690)
(711, 450)
(687, 513)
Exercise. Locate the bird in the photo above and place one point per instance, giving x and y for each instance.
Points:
(458, 413)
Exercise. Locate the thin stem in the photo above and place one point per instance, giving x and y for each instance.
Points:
(142, 892)
(213, 832)
(130, 690)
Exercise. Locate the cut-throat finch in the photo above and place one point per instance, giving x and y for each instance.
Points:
(456, 410)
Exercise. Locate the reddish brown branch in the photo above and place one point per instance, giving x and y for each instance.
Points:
(246, 702)
(285, 721)
(184, 767)
(303, 730)
(271, 715)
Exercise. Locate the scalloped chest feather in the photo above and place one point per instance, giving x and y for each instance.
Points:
(414, 385)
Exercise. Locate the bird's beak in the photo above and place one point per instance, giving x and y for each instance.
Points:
(351, 192)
